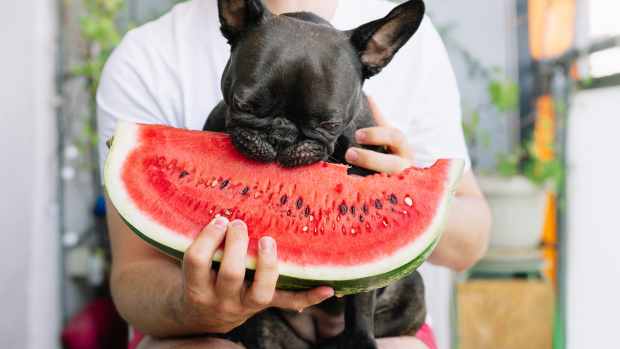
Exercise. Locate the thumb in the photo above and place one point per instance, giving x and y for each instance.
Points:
(301, 300)
(376, 113)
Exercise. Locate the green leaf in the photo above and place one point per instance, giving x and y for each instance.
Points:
(504, 94)
(486, 140)
(508, 164)
(587, 81)
(471, 128)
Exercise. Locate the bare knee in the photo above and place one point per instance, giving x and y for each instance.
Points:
(196, 343)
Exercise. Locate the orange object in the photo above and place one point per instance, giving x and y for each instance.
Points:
(544, 140)
(544, 130)
(551, 33)
(551, 27)
(550, 270)
(550, 236)
(574, 72)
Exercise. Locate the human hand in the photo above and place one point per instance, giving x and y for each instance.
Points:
(400, 155)
(218, 302)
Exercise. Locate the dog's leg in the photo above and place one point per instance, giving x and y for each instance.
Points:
(359, 324)
(401, 308)
(359, 315)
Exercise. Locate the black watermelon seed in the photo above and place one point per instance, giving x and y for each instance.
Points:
(378, 204)
(300, 203)
(353, 210)
(393, 199)
(365, 208)
(183, 174)
(224, 184)
(343, 209)
(284, 199)
(245, 190)
(362, 218)
(307, 211)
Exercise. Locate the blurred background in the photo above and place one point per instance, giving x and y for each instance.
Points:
(540, 85)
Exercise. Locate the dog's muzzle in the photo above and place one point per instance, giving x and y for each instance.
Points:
(280, 143)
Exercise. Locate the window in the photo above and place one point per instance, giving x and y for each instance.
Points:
(604, 22)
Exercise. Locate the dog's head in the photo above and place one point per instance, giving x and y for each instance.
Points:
(293, 84)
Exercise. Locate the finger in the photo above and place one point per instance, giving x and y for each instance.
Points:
(391, 137)
(199, 256)
(231, 275)
(371, 160)
(376, 113)
(260, 294)
(301, 300)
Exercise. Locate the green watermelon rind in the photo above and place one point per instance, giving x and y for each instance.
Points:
(341, 287)
(345, 279)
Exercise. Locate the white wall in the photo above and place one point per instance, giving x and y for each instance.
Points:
(487, 29)
(28, 236)
(593, 283)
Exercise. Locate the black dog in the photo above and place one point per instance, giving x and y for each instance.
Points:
(293, 95)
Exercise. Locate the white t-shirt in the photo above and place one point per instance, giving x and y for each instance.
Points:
(168, 72)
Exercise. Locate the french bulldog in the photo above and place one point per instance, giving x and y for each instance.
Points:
(293, 94)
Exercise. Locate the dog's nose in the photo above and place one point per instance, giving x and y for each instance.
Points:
(283, 133)
(283, 123)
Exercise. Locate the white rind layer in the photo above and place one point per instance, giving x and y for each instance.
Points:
(125, 140)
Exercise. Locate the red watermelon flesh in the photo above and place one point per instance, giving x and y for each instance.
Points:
(331, 228)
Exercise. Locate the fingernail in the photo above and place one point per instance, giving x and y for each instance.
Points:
(220, 221)
(267, 244)
(352, 155)
(327, 293)
(238, 224)
(361, 136)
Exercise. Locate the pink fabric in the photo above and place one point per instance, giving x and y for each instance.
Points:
(425, 335)
(97, 326)
(135, 340)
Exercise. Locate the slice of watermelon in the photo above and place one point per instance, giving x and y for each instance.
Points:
(352, 233)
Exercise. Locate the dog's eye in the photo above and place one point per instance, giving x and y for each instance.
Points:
(330, 125)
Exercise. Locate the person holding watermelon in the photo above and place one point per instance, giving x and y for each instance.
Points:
(168, 71)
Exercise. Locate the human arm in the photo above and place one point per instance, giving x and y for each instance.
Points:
(400, 343)
(466, 234)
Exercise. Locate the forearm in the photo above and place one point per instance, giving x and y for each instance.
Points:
(148, 294)
(466, 234)
(400, 343)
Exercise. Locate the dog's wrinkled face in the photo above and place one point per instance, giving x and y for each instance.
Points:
(296, 98)
(293, 84)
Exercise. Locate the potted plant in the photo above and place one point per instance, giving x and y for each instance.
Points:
(517, 183)
(517, 186)
(517, 195)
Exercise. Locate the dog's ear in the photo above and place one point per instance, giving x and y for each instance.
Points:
(377, 42)
(237, 16)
